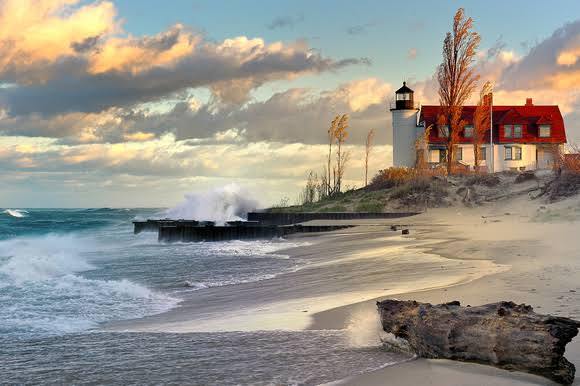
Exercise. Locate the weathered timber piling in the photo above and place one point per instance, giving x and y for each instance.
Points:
(181, 232)
(271, 218)
(501, 334)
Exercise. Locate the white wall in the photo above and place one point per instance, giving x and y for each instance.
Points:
(404, 136)
(528, 160)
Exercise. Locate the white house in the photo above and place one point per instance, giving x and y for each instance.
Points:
(523, 136)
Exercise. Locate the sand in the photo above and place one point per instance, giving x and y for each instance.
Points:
(541, 245)
(519, 250)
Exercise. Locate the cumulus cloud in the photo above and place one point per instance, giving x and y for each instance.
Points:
(65, 56)
(553, 63)
(295, 115)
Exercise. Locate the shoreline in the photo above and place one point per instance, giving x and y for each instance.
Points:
(343, 268)
(544, 273)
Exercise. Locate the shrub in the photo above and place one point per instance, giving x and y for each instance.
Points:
(489, 180)
(387, 178)
(565, 185)
(370, 206)
(335, 208)
(422, 191)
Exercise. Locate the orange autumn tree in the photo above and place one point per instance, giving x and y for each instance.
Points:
(457, 79)
(342, 156)
(481, 121)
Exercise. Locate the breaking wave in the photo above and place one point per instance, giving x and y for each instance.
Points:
(42, 291)
(227, 203)
(18, 213)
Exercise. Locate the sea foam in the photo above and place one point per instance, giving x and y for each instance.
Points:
(18, 213)
(228, 203)
(43, 292)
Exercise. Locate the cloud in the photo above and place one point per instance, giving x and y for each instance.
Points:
(63, 56)
(359, 29)
(295, 115)
(285, 21)
(550, 64)
(169, 166)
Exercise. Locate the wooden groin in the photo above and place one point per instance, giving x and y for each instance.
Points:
(272, 218)
(181, 232)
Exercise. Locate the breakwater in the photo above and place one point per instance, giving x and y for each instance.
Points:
(272, 218)
(260, 225)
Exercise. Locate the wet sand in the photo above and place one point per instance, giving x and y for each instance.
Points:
(542, 248)
(510, 251)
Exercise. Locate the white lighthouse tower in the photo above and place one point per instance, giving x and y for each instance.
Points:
(404, 127)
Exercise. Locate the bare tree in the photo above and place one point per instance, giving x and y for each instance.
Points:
(457, 78)
(331, 138)
(308, 194)
(368, 148)
(481, 121)
(342, 157)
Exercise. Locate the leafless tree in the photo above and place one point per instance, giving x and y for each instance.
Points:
(481, 121)
(331, 138)
(368, 148)
(457, 78)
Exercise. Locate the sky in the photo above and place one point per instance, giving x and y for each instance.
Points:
(134, 104)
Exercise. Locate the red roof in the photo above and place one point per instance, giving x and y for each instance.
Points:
(529, 116)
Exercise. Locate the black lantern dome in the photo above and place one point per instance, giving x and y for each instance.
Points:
(404, 98)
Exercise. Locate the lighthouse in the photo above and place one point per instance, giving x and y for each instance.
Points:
(404, 121)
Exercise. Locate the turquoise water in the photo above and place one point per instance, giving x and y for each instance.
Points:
(65, 272)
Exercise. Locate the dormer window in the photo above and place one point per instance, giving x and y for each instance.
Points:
(512, 131)
(545, 131)
(443, 131)
(468, 131)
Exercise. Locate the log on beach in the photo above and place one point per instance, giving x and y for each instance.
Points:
(503, 334)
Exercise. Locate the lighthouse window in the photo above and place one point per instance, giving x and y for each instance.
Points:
(545, 131)
(403, 97)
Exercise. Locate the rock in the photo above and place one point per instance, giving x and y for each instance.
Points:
(405, 231)
(393, 227)
(503, 334)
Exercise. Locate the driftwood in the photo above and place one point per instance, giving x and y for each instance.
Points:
(501, 334)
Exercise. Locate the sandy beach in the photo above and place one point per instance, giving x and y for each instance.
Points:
(540, 245)
(518, 250)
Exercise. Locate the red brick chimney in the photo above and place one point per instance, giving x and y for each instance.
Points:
(529, 102)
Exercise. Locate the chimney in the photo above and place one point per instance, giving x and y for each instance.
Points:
(529, 102)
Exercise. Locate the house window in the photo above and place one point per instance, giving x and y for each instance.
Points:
(518, 131)
(482, 153)
(468, 131)
(545, 131)
(443, 131)
(459, 154)
(442, 156)
(508, 131)
(513, 153)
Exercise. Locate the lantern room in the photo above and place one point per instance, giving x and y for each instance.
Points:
(404, 98)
